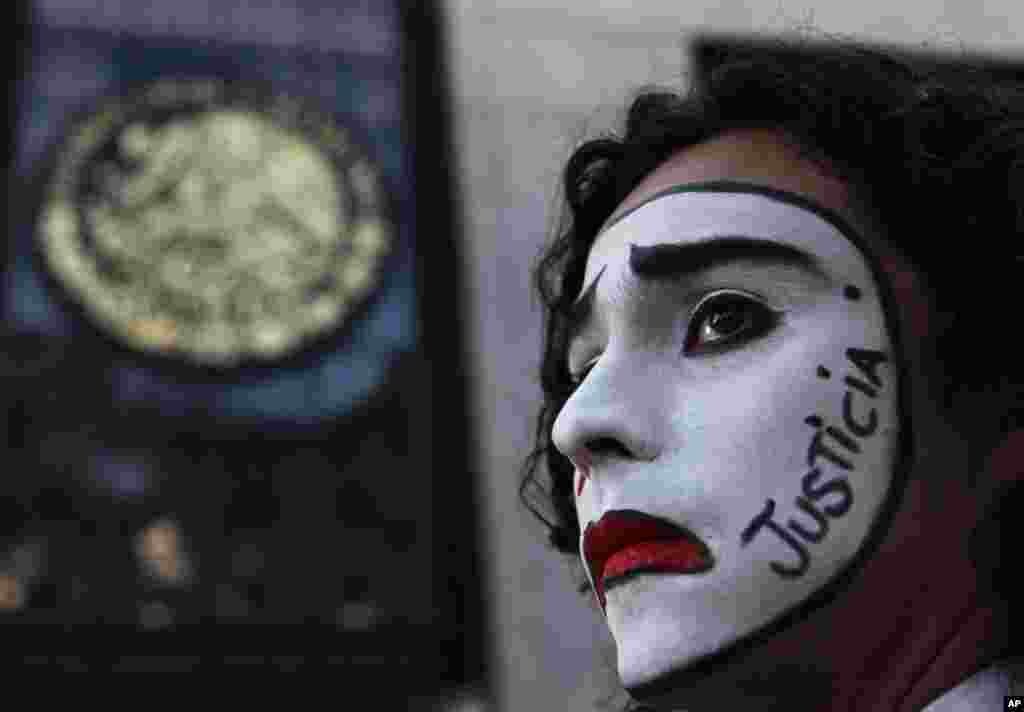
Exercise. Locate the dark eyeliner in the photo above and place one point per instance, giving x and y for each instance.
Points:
(765, 319)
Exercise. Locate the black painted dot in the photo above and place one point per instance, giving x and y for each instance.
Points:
(813, 421)
(852, 292)
(823, 372)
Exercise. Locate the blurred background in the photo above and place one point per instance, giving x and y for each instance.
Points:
(187, 461)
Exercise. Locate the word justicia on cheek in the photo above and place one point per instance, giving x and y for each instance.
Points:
(833, 450)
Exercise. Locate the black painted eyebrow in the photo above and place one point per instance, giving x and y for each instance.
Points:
(669, 262)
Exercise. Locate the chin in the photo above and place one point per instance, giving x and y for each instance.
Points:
(653, 647)
(665, 650)
(650, 661)
(677, 673)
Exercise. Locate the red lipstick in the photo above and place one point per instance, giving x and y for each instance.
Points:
(626, 541)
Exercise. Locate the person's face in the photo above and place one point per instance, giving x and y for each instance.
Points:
(740, 388)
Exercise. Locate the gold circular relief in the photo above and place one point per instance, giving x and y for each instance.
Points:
(214, 222)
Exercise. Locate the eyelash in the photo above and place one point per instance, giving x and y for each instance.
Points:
(759, 320)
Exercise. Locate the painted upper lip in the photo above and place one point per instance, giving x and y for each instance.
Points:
(620, 528)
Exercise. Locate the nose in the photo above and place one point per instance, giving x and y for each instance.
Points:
(603, 421)
(604, 446)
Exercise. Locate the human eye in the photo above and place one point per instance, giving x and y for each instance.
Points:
(725, 318)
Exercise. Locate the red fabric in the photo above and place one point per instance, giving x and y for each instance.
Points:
(919, 589)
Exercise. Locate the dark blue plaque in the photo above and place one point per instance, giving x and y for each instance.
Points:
(117, 104)
(236, 397)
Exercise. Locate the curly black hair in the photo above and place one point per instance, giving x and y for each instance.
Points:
(935, 154)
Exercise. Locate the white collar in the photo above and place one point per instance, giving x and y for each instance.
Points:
(984, 690)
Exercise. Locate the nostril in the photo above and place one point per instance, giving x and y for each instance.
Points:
(605, 446)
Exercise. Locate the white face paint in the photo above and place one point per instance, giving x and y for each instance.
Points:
(787, 415)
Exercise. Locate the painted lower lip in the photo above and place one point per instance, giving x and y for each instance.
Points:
(674, 556)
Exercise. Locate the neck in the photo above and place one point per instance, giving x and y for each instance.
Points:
(911, 626)
(910, 631)
(915, 664)
(914, 624)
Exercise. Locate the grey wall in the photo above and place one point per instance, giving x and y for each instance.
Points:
(531, 80)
